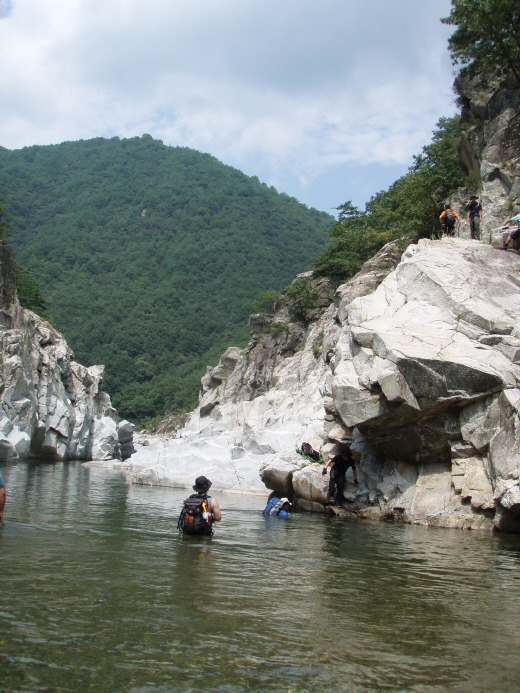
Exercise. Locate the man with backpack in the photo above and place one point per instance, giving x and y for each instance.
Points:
(448, 220)
(277, 507)
(199, 511)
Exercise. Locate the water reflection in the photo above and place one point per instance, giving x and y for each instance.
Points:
(100, 592)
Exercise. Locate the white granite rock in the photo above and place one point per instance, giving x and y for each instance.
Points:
(422, 372)
(51, 406)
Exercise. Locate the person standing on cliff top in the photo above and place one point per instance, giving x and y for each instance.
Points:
(339, 465)
(2, 499)
(474, 216)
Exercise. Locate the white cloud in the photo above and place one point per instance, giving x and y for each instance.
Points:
(286, 90)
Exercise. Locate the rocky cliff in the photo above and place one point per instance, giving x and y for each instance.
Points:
(419, 366)
(51, 406)
(416, 361)
(489, 147)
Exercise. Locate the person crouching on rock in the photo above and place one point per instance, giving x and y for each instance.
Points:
(339, 464)
(512, 239)
(448, 219)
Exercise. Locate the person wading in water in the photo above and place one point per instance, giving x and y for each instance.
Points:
(199, 511)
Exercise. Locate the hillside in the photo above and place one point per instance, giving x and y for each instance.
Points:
(149, 256)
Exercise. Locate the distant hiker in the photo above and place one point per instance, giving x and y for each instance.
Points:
(474, 209)
(199, 510)
(512, 239)
(278, 507)
(2, 499)
(448, 219)
(339, 465)
(308, 451)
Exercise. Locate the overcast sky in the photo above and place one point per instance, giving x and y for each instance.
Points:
(327, 100)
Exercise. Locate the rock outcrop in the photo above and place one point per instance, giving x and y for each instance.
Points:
(417, 362)
(420, 369)
(51, 406)
(426, 375)
(489, 149)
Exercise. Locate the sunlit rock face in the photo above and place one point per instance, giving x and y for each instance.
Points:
(427, 374)
(51, 407)
(489, 149)
(419, 367)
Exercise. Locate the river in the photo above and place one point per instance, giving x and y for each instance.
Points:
(100, 593)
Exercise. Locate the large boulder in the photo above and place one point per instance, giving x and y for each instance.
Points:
(418, 368)
(427, 371)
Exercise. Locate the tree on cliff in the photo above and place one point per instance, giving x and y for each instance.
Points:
(5, 224)
(29, 293)
(410, 207)
(486, 36)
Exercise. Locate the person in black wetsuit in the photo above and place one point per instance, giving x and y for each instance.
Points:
(474, 209)
(339, 465)
(2, 499)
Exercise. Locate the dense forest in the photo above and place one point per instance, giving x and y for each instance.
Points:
(148, 257)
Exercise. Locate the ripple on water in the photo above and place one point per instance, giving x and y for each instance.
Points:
(100, 592)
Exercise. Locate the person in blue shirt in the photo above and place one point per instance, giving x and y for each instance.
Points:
(513, 238)
(2, 499)
(277, 507)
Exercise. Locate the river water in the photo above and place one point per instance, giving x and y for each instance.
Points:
(100, 593)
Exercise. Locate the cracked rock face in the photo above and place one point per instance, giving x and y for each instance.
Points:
(427, 373)
(489, 147)
(51, 407)
(420, 369)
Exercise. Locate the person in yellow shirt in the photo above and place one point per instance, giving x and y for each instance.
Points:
(448, 220)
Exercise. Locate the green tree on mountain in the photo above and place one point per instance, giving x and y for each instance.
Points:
(150, 256)
(486, 36)
(27, 289)
(5, 224)
(29, 293)
(410, 207)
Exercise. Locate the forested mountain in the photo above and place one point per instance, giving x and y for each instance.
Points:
(150, 256)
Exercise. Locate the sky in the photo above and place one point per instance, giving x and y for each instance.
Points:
(326, 100)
